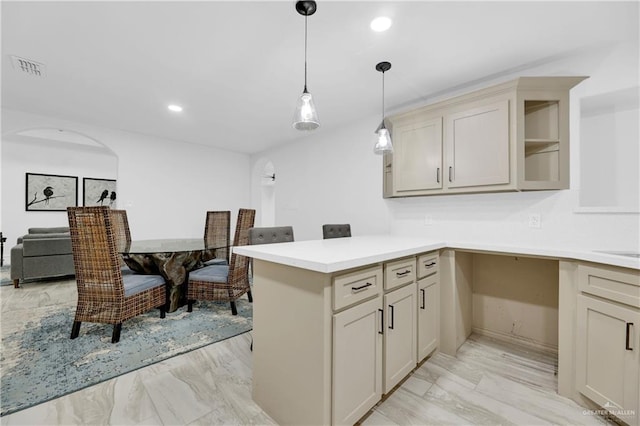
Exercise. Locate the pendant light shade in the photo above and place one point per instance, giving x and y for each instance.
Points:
(383, 137)
(305, 117)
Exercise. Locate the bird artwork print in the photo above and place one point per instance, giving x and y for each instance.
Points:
(48, 192)
(103, 196)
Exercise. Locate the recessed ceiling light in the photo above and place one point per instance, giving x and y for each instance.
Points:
(381, 23)
(175, 108)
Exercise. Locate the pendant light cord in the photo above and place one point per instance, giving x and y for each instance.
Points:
(383, 98)
(305, 53)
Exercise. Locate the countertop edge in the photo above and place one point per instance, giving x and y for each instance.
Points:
(413, 249)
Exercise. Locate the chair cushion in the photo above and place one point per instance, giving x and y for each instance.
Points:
(213, 273)
(136, 283)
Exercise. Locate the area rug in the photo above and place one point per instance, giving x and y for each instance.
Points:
(43, 363)
(5, 275)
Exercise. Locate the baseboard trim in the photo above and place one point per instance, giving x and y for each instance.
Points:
(518, 340)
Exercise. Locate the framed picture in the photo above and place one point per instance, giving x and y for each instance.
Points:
(99, 192)
(50, 192)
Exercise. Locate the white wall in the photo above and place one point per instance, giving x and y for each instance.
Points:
(166, 187)
(327, 177)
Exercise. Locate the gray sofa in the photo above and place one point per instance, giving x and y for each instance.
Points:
(42, 253)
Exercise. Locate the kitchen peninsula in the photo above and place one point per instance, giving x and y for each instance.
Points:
(338, 323)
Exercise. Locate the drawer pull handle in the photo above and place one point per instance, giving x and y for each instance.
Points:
(423, 304)
(628, 347)
(362, 287)
(430, 265)
(402, 274)
(391, 321)
(381, 321)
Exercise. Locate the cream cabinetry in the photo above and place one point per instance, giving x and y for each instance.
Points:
(509, 137)
(417, 157)
(428, 305)
(477, 146)
(357, 361)
(608, 339)
(400, 334)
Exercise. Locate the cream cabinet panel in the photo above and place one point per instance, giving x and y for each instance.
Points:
(357, 361)
(417, 155)
(607, 360)
(477, 142)
(400, 334)
(428, 315)
(513, 136)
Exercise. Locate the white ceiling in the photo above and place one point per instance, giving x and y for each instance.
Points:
(237, 67)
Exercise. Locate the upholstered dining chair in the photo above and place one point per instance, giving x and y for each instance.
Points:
(225, 283)
(216, 234)
(105, 295)
(336, 230)
(270, 235)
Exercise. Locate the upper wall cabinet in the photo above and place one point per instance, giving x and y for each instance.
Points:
(509, 137)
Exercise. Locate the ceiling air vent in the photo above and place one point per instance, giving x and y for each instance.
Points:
(28, 66)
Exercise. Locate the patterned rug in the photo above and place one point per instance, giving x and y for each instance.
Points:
(5, 274)
(42, 362)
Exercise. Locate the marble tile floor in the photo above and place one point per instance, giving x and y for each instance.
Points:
(487, 383)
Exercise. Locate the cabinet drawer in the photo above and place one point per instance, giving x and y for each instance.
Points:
(399, 272)
(428, 264)
(353, 287)
(618, 284)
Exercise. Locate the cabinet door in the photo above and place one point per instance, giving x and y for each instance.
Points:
(400, 335)
(357, 361)
(417, 156)
(428, 315)
(477, 142)
(607, 360)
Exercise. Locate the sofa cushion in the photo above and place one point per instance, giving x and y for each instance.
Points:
(53, 230)
(46, 244)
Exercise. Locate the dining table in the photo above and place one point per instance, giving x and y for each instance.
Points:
(172, 258)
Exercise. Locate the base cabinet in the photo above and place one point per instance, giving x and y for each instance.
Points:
(357, 361)
(607, 360)
(608, 339)
(400, 335)
(428, 315)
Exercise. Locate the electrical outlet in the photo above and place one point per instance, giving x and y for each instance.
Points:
(428, 220)
(534, 220)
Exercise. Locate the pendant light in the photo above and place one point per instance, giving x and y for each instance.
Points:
(383, 137)
(305, 116)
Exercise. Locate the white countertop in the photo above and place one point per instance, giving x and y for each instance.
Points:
(339, 254)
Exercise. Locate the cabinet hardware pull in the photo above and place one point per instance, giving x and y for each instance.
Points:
(450, 171)
(430, 265)
(381, 321)
(402, 274)
(628, 347)
(362, 287)
(438, 175)
(391, 322)
(423, 304)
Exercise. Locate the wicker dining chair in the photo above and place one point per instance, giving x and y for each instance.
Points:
(105, 295)
(216, 235)
(336, 230)
(122, 235)
(225, 283)
(121, 232)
